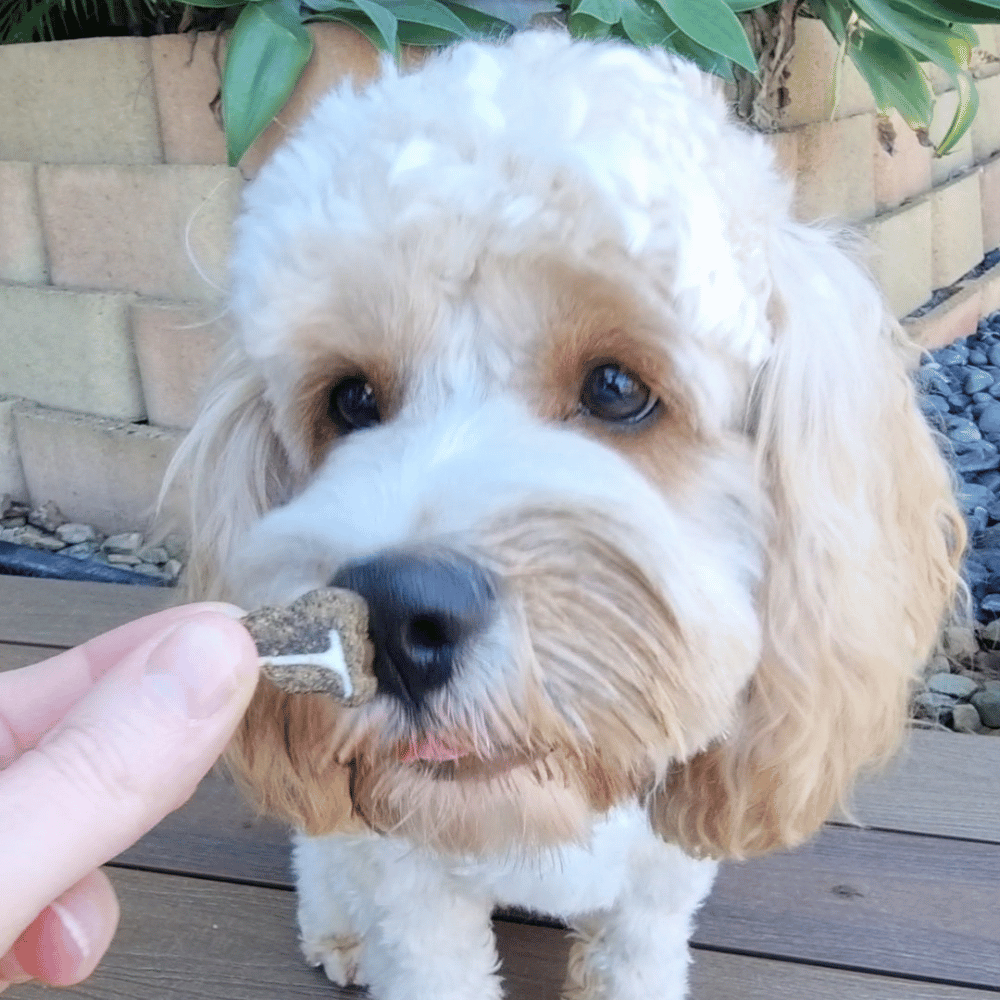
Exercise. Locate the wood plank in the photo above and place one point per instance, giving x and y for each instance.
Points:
(192, 939)
(946, 784)
(865, 899)
(13, 656)
(852, 898)
(216, 835)
(66, 613)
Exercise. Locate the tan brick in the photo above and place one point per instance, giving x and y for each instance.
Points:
(902, 162)
(338, 52)
(986, 55)
(187, 82)
(22, 249)
(989, 181)
(991, 292)
(811, 80)
(900, 255)
(958, 316)
(961, 157)
(177, 346)
(86, 101)
(72, 350)
(986, 125)
(940, 81)
(102, 472)
(133, 228)
(11, 473)
(956, 217)
(836, 169)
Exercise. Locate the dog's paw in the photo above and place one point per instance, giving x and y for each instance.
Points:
(338, 954)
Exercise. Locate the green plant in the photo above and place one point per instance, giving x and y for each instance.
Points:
(28, 20)
(889, 41)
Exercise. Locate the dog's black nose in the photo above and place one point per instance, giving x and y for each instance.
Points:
(423, 607)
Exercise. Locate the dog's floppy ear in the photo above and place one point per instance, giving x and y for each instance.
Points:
(234, 469)
(862, 563)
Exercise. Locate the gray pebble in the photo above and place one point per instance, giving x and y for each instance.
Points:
(994, 355)
(157, 554)
(47, 517)
(977, 358)
(965, 719)
(972, 495)
(37, 539)
(74, 534)
(977, 520)
(987, 704)
(962, 430)
(959, 642)
(953, 685)
(989, 419)
(122, 559)
(990, 635)
(978, 381)
(127, 543)
(950, 356)
(82, 550)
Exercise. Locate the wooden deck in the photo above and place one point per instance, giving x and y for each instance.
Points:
(905, 909)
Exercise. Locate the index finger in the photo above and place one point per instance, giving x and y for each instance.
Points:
(33, 699)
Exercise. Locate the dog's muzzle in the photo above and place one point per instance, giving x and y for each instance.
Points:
(423, 608)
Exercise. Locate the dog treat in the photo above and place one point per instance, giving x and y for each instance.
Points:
(319, 643)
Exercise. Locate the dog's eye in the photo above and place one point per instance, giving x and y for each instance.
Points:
(353, 405)
(615, 395)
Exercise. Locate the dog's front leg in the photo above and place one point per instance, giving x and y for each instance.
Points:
(378, 912)
(638, 949)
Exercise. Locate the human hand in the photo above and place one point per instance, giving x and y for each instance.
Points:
(97, 745)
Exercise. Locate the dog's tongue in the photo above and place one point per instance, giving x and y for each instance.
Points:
(430, 748)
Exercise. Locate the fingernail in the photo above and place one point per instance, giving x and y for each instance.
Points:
(76, 935)
(196, 666)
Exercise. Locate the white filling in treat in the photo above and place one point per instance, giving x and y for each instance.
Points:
(332, 660)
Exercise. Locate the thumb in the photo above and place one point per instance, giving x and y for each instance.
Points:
(131, 751)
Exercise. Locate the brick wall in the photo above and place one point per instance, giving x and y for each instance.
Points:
(928, 220)
(115, 210)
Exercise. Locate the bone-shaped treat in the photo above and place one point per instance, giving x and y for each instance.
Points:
(319, 643)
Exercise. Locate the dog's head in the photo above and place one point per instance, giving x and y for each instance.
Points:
(626, 462)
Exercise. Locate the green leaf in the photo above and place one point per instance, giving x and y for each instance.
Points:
(929, 39)
(33, 21)
(713, 25)
(710, 62)
(956, 11)
(214, 3)
(585, 26)
(268, 49)
(384, 21)
(477, 21)
(422, 35)
(894, 77)
(645, 24)
(968, 105)
(608, 11)
(353, 18)
(429, 13)
(738, 6)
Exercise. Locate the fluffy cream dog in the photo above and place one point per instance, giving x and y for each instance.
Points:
(627, 464)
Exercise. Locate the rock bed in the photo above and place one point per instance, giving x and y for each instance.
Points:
(45, 528)
(960, 386)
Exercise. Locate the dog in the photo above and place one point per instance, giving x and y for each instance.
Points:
(532, 354)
